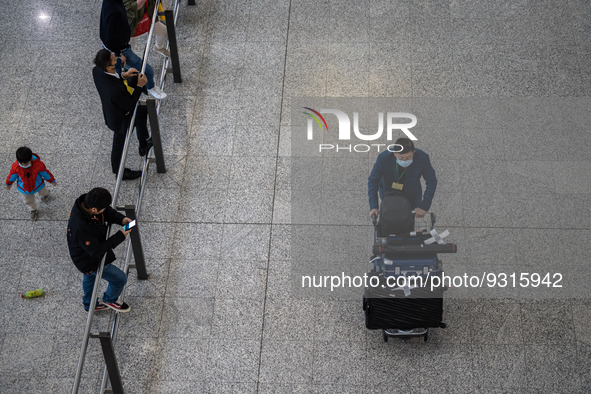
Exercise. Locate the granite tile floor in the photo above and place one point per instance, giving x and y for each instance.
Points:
(501, 90)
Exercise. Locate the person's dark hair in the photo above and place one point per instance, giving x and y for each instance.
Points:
(24, 154)
(98, 198)
(103, 59)
(407, 145)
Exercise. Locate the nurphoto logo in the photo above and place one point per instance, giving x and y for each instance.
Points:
(344, 129)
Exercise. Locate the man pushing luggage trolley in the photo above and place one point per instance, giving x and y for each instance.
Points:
(404, 304)
(402, 170)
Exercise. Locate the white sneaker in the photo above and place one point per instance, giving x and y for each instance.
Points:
(163, 51)
(157, 93)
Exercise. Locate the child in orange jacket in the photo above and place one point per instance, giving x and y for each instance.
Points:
(30, 174)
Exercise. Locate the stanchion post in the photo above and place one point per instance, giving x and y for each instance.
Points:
(111, 362)
(136, 245)
(156, 140)
(172, 45)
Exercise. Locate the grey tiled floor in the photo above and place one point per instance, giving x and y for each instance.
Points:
(218, 314)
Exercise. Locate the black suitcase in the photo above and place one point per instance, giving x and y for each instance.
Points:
(387, 308)
(395, 214)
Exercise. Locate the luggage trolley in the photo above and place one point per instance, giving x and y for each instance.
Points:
(399, 306)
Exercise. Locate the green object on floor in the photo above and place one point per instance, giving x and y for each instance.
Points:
(33, 293)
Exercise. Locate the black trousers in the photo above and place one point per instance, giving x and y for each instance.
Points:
(141, 128)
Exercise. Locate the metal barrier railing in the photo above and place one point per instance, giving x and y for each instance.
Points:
(111, 370)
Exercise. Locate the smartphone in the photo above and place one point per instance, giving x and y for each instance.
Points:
(132, 81)
(129, 225)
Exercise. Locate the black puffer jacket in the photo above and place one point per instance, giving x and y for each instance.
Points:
(114, 30)
(86, 236)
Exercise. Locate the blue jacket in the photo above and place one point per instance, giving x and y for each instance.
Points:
(384, 174)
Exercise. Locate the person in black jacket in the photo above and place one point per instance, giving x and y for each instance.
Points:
(118, 107)
(115, 34)
(87, 243)
(402, 170)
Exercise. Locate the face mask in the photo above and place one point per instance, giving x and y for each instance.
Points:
(24, 166)
(404, 163)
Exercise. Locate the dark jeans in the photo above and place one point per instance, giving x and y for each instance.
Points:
(141, 128)
(135, 61)
(116, 278)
